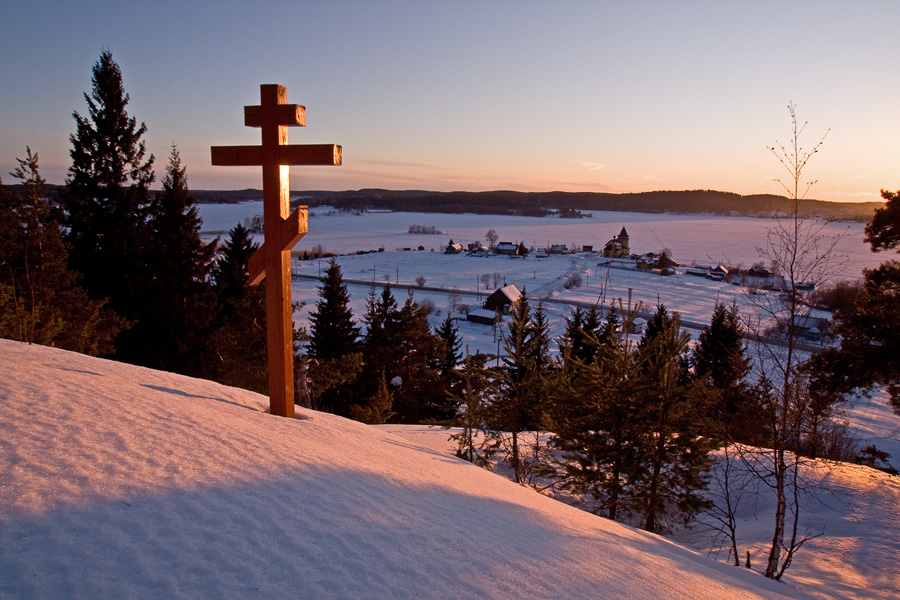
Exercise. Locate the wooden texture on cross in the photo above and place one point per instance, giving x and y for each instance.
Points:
(281, 230)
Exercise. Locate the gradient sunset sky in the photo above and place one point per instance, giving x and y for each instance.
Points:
(468, 95)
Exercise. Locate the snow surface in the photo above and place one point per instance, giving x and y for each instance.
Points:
(850, 509)
(122, 482)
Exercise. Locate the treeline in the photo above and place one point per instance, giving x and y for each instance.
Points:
(107, 267)
(566, 203)
(399, 370)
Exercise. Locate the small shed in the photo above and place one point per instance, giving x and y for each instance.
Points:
(718, 273)
(481, 316)
(507, 249)
(503, 299)
(813, 325)
(558, 249)
(637, 326)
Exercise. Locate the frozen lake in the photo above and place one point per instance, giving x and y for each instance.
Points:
(704, 239)
(691, 238)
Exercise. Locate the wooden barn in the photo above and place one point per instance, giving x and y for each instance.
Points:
(503, 299)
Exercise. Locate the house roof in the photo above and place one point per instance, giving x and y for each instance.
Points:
(482, 313)
(505, 296)
(511, 292)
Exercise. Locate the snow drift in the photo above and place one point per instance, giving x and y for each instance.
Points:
(123, 482)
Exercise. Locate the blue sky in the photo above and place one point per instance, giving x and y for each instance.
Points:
(459, 95)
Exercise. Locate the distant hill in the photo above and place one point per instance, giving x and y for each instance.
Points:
(542, 203)
(537, 204)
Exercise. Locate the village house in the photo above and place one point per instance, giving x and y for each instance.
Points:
(507, 249)
(719, 273)
(812, 326)
(503, 299)
(617, 247)
(453, 248)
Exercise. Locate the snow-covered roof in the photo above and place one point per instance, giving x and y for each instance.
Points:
(511, 292)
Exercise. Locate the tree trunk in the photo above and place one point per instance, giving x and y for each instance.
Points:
(517, 468)
(616, 484)
(653, 497)
(780, 509)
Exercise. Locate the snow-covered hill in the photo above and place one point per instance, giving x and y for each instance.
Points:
(850, 510)
(123, 482)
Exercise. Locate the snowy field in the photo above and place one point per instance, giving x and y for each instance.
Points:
(692, 239)
(122, 482)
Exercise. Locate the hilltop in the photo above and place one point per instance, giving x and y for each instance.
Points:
(124, 482)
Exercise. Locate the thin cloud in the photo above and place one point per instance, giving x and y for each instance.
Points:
(399, 163)
(592, 166)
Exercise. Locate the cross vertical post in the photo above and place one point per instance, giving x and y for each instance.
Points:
(281, 230)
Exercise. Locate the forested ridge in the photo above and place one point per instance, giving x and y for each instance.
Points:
(543, 203)
(539, 204)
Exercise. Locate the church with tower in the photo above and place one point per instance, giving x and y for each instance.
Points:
(617, 247)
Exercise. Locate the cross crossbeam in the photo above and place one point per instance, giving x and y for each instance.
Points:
(280, 229)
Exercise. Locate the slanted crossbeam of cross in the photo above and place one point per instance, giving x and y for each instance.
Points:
(280, 230)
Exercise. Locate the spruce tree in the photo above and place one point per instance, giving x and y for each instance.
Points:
(449, 335)
(608, 333)
(721, 364)
(420, 397)
(596, 426)
(239, 340)
(40, 298)
(449, 382)
(870, 333)
(376, 409)
(472, 397)
(106, 196)
(177, 313)
(591, 329)
(334, 348)
(333, 333)
(231, 271)
(674, 455)
(573, 336)
(626, 426)
(540, 365)
(399, 345)
(509, 412)
(381, 342)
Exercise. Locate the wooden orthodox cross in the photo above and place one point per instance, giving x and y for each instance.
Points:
(281, 231)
